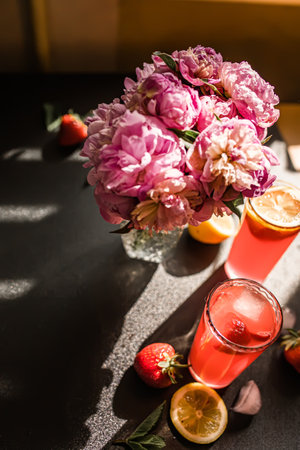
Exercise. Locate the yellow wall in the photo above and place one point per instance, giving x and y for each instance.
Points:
(118, 35)
(12, 37)
(83, 34)
(268, 36)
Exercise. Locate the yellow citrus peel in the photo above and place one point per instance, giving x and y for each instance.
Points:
(214, 230)
(198, 413)
(279, 206)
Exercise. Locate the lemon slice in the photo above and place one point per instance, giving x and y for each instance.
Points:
(279, 206)
(214, 230)
(198, 413)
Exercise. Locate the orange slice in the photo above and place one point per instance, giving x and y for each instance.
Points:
(279, 206)
(214, 230)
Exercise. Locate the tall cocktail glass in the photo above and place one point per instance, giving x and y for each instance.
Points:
(269, 224)
(241, 319)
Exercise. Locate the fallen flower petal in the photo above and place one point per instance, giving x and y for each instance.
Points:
(249, 399)
(289, 319)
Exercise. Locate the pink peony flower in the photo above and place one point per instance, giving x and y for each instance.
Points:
(131, 85)
(169, 204)
(253, 96)
(145, 72)
(212, 109)
(113, 208)
(141, 149)
(165, 97)
(159, 65)
(209, 207)
(198, 64)
(263, 179)
(101, 128)
(141, 170)
(229, 154)
(261, 132)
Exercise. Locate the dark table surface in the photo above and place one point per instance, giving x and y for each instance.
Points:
(74, 309)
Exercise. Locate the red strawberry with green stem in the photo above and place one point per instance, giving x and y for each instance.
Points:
(157, 365)
(291, 343)
(72, 130)
(70, 127)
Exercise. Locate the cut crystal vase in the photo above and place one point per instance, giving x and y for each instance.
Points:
(154, 247)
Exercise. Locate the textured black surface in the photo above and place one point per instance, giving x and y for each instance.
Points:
(57, 390)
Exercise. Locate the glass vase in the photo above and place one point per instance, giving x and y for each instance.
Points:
(155, 247)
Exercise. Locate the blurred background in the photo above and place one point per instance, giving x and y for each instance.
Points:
(115, 36)
(70, 299)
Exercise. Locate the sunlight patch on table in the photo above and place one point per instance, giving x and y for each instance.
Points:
(36, 154)
(13, 213)
(15, 288)
(20, 154)
(76, 157)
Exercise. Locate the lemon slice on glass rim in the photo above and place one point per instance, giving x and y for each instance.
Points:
(198, 413)
(279, 206)
(214, 230)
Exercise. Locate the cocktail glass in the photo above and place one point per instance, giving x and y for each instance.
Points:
(241, 319)
(269, 224)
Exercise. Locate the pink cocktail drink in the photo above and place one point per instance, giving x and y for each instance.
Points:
(270, 223)
(240, 320)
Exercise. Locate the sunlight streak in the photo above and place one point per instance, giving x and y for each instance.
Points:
(36, 154)
(13, 213)
(13, 288)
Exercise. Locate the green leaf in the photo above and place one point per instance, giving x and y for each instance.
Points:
(239, 200)
(148, 423)
(293, 332)
(164, 364)
(211, 86)
(167, 59)
(125, 229)
(152, 440)
(136, 445)
(233, 205)
(264, 141)
(188, 135)
(52, 116)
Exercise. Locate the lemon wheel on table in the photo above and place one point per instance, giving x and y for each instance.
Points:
(198, 413)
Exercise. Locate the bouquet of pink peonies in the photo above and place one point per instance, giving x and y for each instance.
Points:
(185, 141)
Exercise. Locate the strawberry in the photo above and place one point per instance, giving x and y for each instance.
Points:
(237, 332)
(156, 365)
(72, 130)
(291, 342)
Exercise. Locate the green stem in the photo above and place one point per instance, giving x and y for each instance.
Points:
(211, 86)
(180, 365)
(119, 442)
